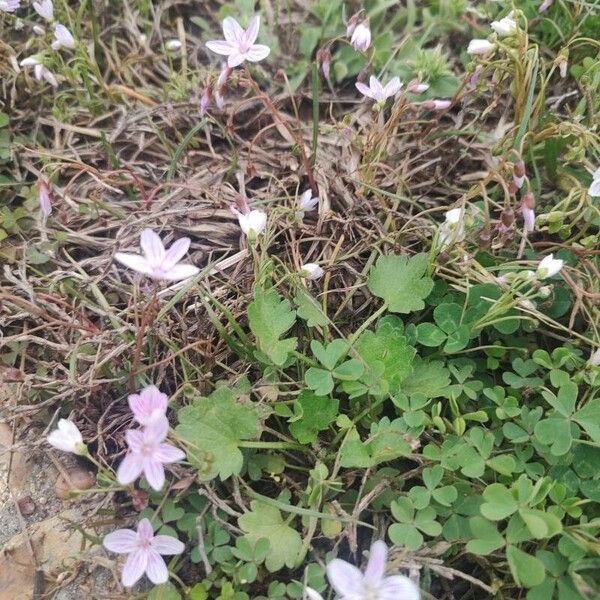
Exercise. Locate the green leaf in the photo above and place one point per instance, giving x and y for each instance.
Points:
(541, 524)
(265, 521)
(310, 310)
(445, 495)
(499, 502)
(429, 334)
(458, 339)
(526, 570)
(448, 316)
(487, 539)
(351, 370)
(556, 433)
(316, 414)
(166, 591)
(427, 378)
(401, 282)
(405, 534)
(270, 317)
(329, 355)
(212, 429)
(503, 464)
(319, 380)
(589, 418)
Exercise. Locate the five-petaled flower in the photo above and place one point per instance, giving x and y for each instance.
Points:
(306, 203)
(9, 5)
(148, 453)
(238, 44)
(149, 404)
(67, 438)
(157, 262)
(144, 550)
(252, 223)
(351, 584)
(39, 70)
(549, 266)
(63, 38)
(377, 91)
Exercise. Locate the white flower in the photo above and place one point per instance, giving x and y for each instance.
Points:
(378, 92)
(63, 36)
(504, 27)
(595, 358)
(453, 229)
(594, 189)
(173, 45)
(9, 5)
(253, 223)
(306, 203)
(479, 47)
(45, 9)
(39, 70)
(238, 44)
(438, 104)
(361, 37)
(157, 262)
(67, 438)
(311, 271)
(549, 266)
(350, 584)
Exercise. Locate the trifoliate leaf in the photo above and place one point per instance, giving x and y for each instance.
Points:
(589, 418)
(315, 414)
(265, 521)
(270, 317)
(401, 282)
(212, 428)
(526, 570)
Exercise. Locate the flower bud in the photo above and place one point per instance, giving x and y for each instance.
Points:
(361, 37)
(324, 60)
(311, 271)
(529, 200)
(519, 168)
(173, 45)
(507, 217)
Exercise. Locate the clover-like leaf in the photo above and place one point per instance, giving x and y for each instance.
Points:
(401, 282)
(526, 570)
(499, 502)
(315, 413)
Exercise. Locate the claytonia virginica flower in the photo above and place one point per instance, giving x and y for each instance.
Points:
(306, 203)
(9, 5)
(238, 44)
(311, 271)
(361, 37)
(45, 9)
(44, 198)
(416, 87)
(63, 36)
(594, 189)
(252, 223)
(378, 92)
(505, 26)
(39, 70)
(351, 584)
(437, 104)
(549, 266)
(67, 438)
(148, 404)
(148, 453)
(479, 47)
(144, 549)
(157, 262)
(453, 229)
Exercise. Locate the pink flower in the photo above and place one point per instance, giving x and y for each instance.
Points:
(157, 262)
(148, 404)
(63, 36)
(416, 87)
(44, 198)
(378, 92)
(238, 44)
(437, 104)
(9, 5)
(144, 549)
(528, 219)
(45, 9)
(351, 584)
(148, 453)
(67, 438)
(361, 37)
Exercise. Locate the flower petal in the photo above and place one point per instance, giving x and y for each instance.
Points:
(235, 59)
(130, 468)
(135, 439)
(167, 544)
(154, 473)
(594, 189)
(176, 252)
(257, 52)
(152, 247)
(156, 429)
(375, 85)
(392, 87)
(344, 578)
(134, 567)
(233, 31)
(134, 261)
(376, 566)
(156, 569)
(145, 531)
(221, 47)
(396, 587)
(144, 404)
(180, 272)
(252, 32)
(166, 453)
(121, 541)
(313, 594)
(364, 90)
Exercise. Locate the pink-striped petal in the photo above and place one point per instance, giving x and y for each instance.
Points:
(130, 468)
(176, 252)
(235, 59)
(221, 47)
(392, 88)
(180, 272)
(154, 473)
(134, 567)
(365, 90)
(135, 439)
(153, 248)
(257, 52)
(344, 578)
(156, 429)
(167, 544)
(252, 31)
(166, 453)
(233, 31)
(376, 566)
(145, 531)
(134, 261)
(396, 587)
(375, 85)
(144, 404)
(121, 541)
(156, 569)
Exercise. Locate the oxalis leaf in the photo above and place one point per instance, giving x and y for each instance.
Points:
(265, 521)
(401, 282)
(213, 428)
(270, 317)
